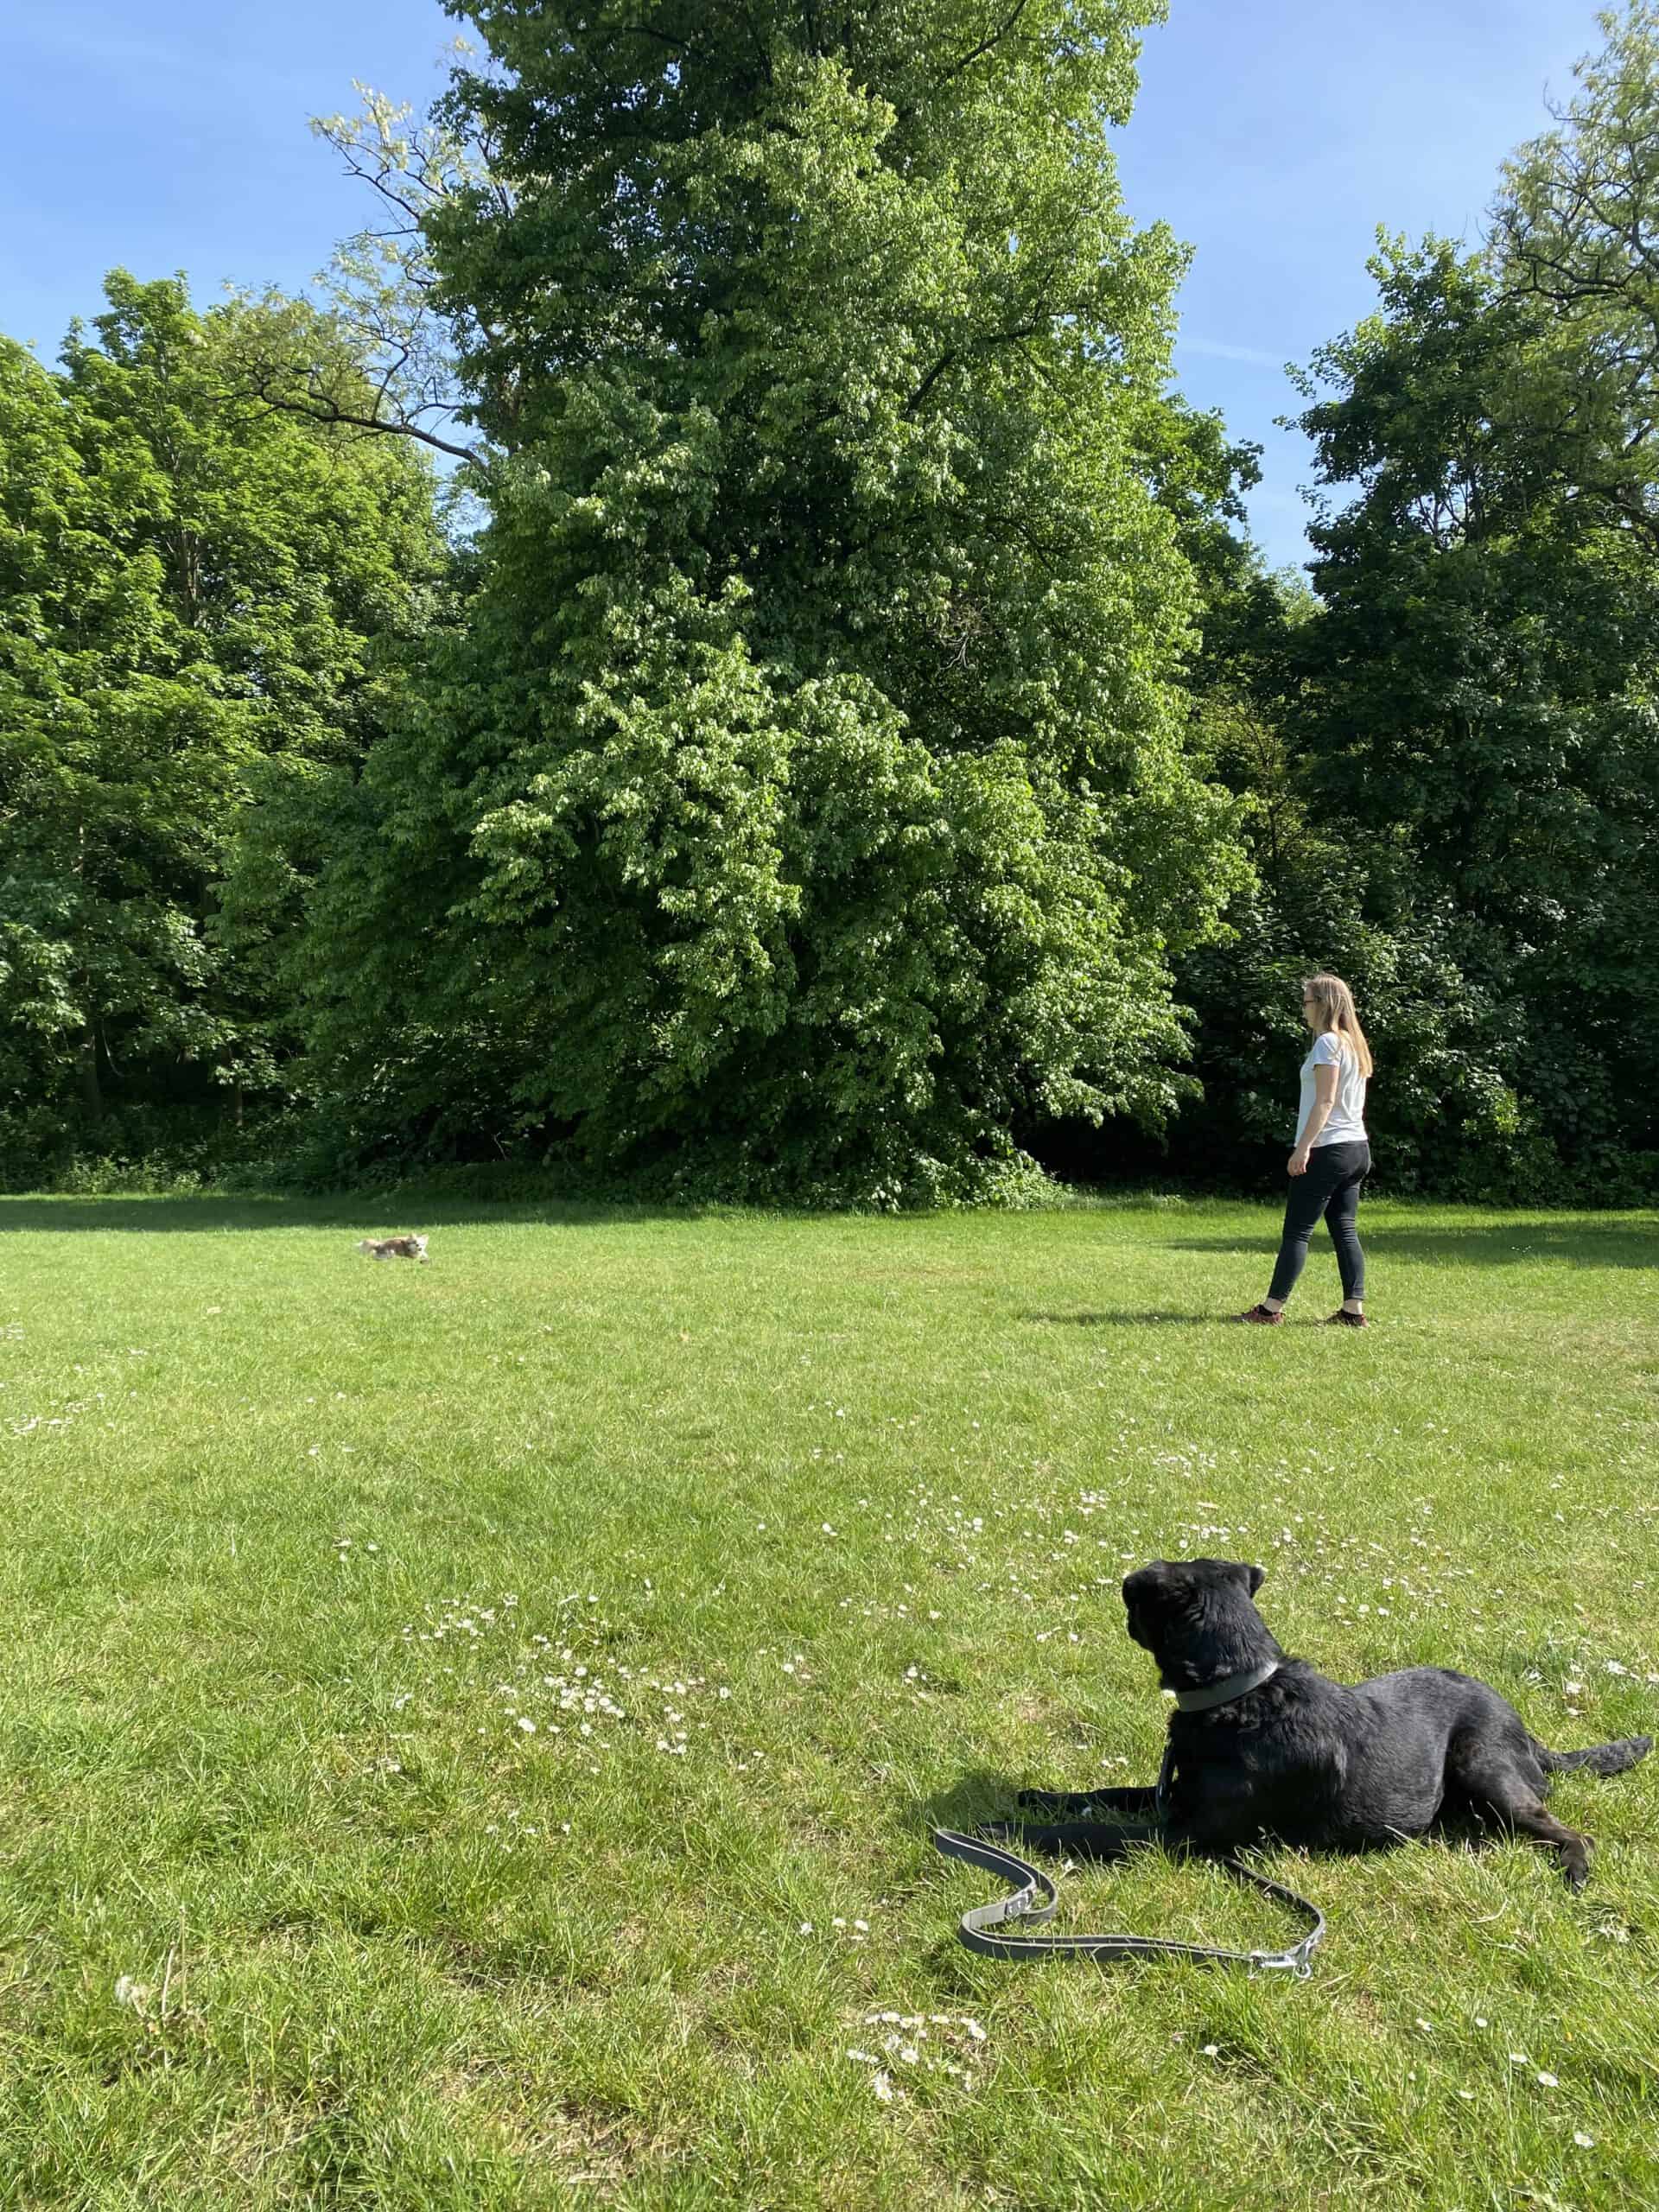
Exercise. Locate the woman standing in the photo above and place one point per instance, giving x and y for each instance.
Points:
(1333, 1155)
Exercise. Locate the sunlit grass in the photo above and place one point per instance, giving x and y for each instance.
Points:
(487, 1717)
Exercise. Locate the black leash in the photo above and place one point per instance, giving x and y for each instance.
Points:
(1035, 1899)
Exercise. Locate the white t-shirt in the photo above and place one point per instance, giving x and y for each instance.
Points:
(1345, 1123)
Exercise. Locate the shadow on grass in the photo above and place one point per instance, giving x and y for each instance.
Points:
(982, 1795)
(1627, 1240)
(362, 1212)
(1126, 1320)
(1596, 1241)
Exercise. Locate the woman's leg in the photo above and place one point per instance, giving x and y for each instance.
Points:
(1341, 1218)
(1305, 1201)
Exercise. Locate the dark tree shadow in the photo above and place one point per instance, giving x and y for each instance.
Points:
(1606, 1241)
(363, 1213)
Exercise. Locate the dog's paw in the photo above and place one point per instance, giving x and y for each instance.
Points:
(998, 1831)
(1064, 1804)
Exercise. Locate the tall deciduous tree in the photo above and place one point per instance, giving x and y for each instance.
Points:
(1481, 711)
(1575, 230)
(190, 588)
(806, 802)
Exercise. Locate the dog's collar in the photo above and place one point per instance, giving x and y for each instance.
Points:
(1228, 1687)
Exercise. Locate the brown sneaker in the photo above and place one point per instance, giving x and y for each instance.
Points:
(1264, 1317)
(1342, 1318)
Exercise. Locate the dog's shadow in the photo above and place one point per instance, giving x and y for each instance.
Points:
(984, 1795)
(979, 1796)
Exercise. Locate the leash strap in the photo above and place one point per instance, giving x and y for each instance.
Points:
(1035, 1899)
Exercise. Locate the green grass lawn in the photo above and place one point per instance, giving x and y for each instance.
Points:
(470, 1732)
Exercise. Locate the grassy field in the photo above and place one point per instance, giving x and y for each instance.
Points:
(471, 1732)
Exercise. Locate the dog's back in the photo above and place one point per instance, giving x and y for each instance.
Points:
(401, 1247)
(1331, 1765)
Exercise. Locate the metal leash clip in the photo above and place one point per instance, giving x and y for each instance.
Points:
(1299, 1958)
(1296, 1961)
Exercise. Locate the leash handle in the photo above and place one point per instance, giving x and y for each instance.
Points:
(1035, 1899)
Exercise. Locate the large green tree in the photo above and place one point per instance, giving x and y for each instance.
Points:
(1447, 762)
(191, 588)
(1479, 717)
(806, 802)
(1575, 232)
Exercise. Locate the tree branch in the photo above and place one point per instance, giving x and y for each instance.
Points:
(983, 48)
(321, 407)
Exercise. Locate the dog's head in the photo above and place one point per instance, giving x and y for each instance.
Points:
(1172, 1601)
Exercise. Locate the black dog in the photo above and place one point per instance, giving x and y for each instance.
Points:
(1263, 1745)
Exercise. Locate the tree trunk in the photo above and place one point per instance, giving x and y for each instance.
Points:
(92, 1096)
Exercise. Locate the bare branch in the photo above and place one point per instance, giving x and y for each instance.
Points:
(313, 403)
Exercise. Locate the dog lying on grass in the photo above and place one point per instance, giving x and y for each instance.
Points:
(394, 1247)
(1263, 1745)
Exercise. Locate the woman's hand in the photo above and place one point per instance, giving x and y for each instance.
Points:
(1298, 1163)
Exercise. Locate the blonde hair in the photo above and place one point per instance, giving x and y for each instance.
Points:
(1333, 1005)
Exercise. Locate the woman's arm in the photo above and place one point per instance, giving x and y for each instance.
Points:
(1325, 1097)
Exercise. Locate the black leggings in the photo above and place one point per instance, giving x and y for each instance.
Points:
(1331, 1187)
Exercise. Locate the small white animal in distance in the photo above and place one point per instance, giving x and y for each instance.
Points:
(394, 1247)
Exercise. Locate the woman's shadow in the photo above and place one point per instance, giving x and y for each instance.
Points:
(1119, 1319)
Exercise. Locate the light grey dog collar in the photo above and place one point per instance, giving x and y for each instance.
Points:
(1228, 1687)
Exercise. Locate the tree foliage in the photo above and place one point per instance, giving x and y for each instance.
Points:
(804, 805)
(190, 590)
(1451, 771)
(857, 740)
(1576, 229)
(380, 358)
(1450, 775)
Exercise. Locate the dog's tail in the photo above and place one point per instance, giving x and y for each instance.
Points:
(1600, 1758)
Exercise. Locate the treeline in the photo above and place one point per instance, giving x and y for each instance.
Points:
(712, 657)
(202, 602)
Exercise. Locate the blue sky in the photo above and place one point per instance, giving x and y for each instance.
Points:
(1272, 135)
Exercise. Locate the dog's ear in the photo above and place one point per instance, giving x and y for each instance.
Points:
(1160, 1585)
(1151, 1580)
(1251, 1577)
(1159, 1598)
